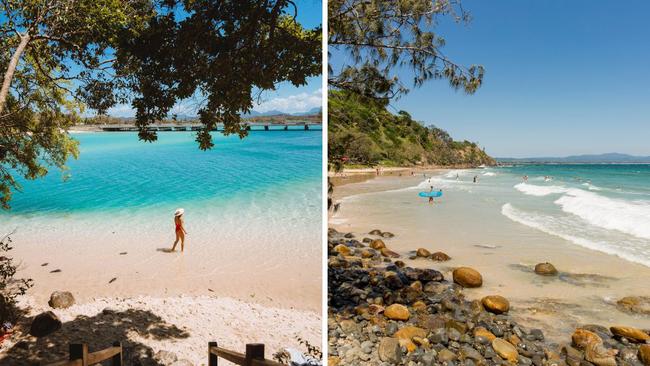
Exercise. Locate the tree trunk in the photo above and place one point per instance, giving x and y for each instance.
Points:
(11, 68)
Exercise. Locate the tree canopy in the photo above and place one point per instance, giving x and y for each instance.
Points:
(62, 56)
(382, 36)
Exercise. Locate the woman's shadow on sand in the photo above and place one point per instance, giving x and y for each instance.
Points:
(99, 332)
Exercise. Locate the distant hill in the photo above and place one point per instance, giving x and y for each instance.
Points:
(363, 132)
(612, 158)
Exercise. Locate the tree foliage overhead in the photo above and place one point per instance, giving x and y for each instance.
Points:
(363, 132)
(61, 56)
(381, 37)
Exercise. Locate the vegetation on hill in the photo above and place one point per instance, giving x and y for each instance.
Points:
(362, 131)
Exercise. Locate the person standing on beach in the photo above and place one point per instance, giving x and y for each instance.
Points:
(180, 229)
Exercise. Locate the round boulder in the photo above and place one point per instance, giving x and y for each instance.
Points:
(545, 269)
(505, 349)
(44, 324)
(635, 304)
(397, 312)
(423, 253)
(632, 334)
(467, 277)
(440, 257)
(61, 300)
(496, 304)
(644, 354)
(342, 249)
(582, 337)
(377, 244)
(375, 232)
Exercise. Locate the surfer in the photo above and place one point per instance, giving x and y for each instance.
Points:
(525, 178)
(180, 229)
(431, 197)
(476, 179)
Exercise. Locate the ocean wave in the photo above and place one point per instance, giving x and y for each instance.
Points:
(592, 187)
(490, 174)
(575, 232)
(630, 217)
(535, 190)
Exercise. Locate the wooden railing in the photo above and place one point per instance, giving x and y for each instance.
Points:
(254, 355)
(79, 356)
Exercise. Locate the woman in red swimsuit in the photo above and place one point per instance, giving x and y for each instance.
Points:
(180, 230)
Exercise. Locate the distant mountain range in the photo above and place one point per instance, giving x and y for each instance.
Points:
(310, 112)
(615, 158)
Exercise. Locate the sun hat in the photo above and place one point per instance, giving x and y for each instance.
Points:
(179, 212)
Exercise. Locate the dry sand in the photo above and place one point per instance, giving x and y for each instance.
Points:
(183, 325)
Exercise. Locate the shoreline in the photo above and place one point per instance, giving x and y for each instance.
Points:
(594, 280)
(146, 325)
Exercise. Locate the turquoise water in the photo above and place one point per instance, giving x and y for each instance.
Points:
(266, 187)
(116, 172)
(598, 206)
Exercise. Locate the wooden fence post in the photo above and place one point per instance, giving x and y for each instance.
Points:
(212, 358)
(79, 352)
(254, 351)
(117, 359)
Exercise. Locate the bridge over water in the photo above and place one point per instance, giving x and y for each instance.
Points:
(251, 126)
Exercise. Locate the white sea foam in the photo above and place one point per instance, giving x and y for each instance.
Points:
(576, 232)
(535, 190)
(592, 187)
(630, 217)
(490, 174)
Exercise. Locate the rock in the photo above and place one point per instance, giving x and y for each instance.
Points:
(377, 244)
(389, 253)
(348, 236)
(397, 312)
(582, 337)
(375, 232)
(44, 324)
(635, 304)
(419, 306)
(61, 300)
(333, 361)
(349, 327)
(632, 334)
(387, 234)
(406, 335)
(482, 332)
(392, 280)
(597, 353)
(496, 304)
(545, 269)
(440, 257)
(467, 277)
(445, 355)
(644, 354)
(389, 350)
(505, 350)
(423, 253)
(343, 249)
(165, 358)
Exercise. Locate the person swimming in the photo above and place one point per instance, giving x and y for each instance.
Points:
(180, 229)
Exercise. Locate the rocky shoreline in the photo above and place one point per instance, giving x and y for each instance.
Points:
(382, 312)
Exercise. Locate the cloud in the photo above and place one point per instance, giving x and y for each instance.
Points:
(297, 103)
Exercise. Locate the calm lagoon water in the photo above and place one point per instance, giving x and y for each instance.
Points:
(268, 178)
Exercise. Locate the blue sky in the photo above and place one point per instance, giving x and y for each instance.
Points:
(562, 78)
(286, 97)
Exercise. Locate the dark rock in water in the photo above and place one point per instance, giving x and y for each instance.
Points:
(348, 236)
(55, 271)
(389, 253)
(123, 253)
(112, 280)
(343, 249)
(440, 257)
(393, 280)
(545, 269)
(61, 300)
(44, 264)
(389, 350)
(366, 240)
(387, 235)
(635, 304)
(44, 324)
(467, 277)
(400, 264)
(597, 354)
(375, 232)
